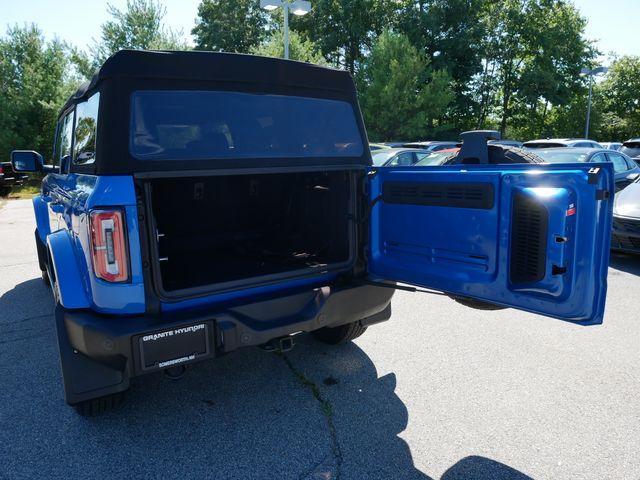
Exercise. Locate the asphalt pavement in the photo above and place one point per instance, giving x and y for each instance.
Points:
(439, 391)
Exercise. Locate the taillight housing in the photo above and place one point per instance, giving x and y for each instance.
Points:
(109, 246)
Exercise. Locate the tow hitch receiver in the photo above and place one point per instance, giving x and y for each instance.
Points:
(280, 344)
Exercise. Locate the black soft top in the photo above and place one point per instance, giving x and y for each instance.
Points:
(212, 66)
(129, 71)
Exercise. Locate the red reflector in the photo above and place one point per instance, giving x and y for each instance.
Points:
(108, 246)
(571, 211)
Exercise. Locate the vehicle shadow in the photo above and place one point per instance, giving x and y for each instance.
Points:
(317, 412)
(629, 263)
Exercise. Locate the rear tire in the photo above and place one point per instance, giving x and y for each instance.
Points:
(100, 405)
(339, 335)
(500, 155)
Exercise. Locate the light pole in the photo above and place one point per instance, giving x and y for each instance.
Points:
(592, 72)
(297, 7)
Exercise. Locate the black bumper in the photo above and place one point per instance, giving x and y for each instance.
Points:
(626, 234)
(99, 354)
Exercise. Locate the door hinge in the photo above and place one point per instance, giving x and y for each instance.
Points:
(602, 194)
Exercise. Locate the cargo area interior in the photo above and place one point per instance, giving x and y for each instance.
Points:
(228, 228)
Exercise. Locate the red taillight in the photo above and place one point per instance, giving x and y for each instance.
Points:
(108, 246)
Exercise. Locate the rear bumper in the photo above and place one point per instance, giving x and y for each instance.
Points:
(626, 234)
(99, 354)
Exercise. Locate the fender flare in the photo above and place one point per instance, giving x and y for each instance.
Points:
(71, 290)
(41, 212)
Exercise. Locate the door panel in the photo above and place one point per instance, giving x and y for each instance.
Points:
(531, 237)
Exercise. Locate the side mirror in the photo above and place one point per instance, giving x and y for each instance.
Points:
(26, 161)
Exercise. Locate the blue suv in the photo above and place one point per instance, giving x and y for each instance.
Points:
(200, 202)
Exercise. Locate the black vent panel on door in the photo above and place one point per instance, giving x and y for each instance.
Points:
(460, 195)
(529, 225)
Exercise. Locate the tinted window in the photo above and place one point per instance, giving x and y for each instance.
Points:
(64, 137)
(403, 159)
(567, 155)
(86, 127)
(216, 124)
(632, 149)
(619, 163)
(382, 157)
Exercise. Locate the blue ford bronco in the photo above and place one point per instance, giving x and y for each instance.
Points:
(198, 202)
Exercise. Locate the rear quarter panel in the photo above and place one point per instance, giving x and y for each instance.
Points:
(70, 198)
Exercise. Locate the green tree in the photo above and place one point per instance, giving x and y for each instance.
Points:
(451, 33)
(533, 53)
(617, 98)
(300, 48)
(400, 94)
(345, 31)
(34, 83)
(139, 26)
(229, 26)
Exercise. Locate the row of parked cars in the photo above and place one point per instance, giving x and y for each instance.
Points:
(625, 157)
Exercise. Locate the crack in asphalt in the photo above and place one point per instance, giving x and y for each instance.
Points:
(326, 409)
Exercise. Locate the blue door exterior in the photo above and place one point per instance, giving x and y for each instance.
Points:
(524, 236)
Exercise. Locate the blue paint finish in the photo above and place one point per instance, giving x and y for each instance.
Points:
(65, 205)
(466, 251)
(68, 277)
(42, 217)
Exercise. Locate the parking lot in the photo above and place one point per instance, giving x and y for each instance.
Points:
(440, 391)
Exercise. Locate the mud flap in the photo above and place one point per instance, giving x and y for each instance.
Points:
(84, 378)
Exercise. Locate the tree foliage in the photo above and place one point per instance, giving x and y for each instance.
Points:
(345, 31)
(229, 26)
(140, 26)
(400, 94)
(618, 97)
(34, 82)
(300, 49)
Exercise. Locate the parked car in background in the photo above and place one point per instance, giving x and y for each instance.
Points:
(377, 146)
(625, 169)
(393, 144)
(398, 157)
(432, 145)
(9, 178)
(561, 142)
(506, 143)
(611, 145)
(626, 219)
(631, 148)
(437, 158)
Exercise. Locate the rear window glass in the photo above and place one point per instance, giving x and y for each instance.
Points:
(562, 156)
(631, 149)
(543, 145)
(186, 125)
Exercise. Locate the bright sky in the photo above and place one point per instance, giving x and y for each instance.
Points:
(613, 23)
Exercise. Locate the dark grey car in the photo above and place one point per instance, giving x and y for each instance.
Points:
(626, 219)
(625, 169)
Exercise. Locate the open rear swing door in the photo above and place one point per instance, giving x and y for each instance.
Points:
(528, 236)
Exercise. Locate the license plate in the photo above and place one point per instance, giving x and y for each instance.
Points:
(175, 346)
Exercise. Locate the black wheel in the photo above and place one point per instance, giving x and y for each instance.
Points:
(500, 155)
(476, 304)
(339, 335)
(98, 406)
